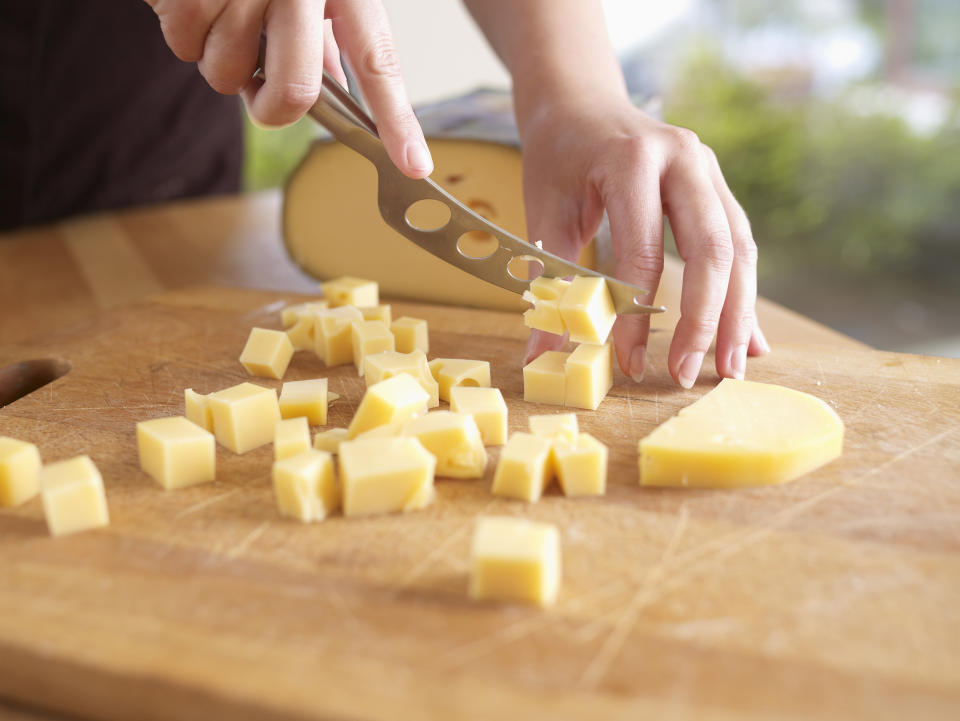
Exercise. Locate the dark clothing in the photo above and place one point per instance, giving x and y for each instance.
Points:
(96, 112)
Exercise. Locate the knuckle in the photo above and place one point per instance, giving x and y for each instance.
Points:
(380, 58)
(717, 249)
(704, 325)
(294, 97)
(747, 251)
(643, 265)
(685, 141)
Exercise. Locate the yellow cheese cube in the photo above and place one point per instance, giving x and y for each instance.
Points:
(410, 334)
(393, 400)
(333, 334)
(369, 337)
(19, 471)
(450, 372)
(380, 366)
(544, 378)
(330, 440)
(488, 409)
(513, 559)
(378, 312)
(267, 353)
(244, 416)
(556, 425)
(589, 376)
(307, 398)
(73, 497)
(545, 294)
(455, 441)
(305, 486)
(742, 433)
(176, 452)
(523, 471)
(197, 409)
(389, 430)
(347, 290)
(587, 310)
(291, 436)
(299, 322)
(384, 475)
(293, 313)
(581, 465)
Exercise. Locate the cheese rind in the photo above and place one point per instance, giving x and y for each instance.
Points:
(742, 433)
(196, 407)
(19, 471)
(330, 440)
(488, 409)
(244, 416)
(380, 366)
(410, 334)
(309, 398)
(589, 376)
(450, 372)
(348, 290)
(73, 496)
(385, 475)
(544, 378)
(513, 559)
(291, 437)
(305, 485)
(523, 469)
(454, 439)
(176, 452)
(333, 334)
(581, 465)
(394, 400)
(587, 310)
(267, 353)
(545, 294)
(369, 337)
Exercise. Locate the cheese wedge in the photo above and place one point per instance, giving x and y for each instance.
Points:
(742, 433)
(513, 559)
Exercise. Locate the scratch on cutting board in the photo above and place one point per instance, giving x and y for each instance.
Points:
(247, 540)
(205, 503)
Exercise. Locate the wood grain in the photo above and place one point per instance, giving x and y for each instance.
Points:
(836, 596)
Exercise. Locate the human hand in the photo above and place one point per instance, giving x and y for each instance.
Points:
(581, 157)
(303, 37)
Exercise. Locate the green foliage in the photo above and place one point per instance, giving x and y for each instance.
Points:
(270, 155)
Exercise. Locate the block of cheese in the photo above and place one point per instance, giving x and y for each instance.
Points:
(450, 372)
(410, 334)
(545, 294)
(305, 485)
(347, 290)
(369, 337)
(523, 469)
(513, 559)
(73, 496)
(384, 475)
(589, 376)
(291, 436)
(394, 400)
(244, 416)
(176, 452)
(454, 439)
(581, 465)
(742, 433)
(488, 409)
(380, 366)
(377, 312)
(544, 378)
(333, 334)
(587, 310)
(19, 471)
(308, 398)
(299, 322)
(563, 426)
(196, 408)
(267, 353)
(330, 440)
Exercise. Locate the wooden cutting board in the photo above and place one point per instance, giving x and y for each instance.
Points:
(836, 596)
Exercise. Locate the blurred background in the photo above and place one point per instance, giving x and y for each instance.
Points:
(837, 125)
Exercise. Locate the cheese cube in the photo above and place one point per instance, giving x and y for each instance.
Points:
(19, 471)
(587, 310)
(742, 433)
(267, 353)
(556, 425)
(545, 294)
(488, 409)
(589, 376)
(333, 334)
(455, 441)
(347, 290)
(388, 430)
(176, 452)
(305, 486)
(523, 471)
(581, 465)
(393, 400)
(299, 322)
(410, 334)
(369, 337)
(291, 436)
(384, 475)
(330, 440)
(380, 366)
(544, 378)
(196, 408)
(450, 372)
(73, 497)
(244, 416)
(293, 313)
(307, 398)
(378, 312)
(513, 559)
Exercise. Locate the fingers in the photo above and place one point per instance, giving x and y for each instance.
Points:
(185, 25)
(331, 54)
(758, 343)
(362, 28)
(230, 49)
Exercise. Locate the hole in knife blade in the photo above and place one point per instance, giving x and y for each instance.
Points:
(477, 244)
(427, 214)
(525, 267)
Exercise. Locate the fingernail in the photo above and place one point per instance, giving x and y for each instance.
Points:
(418, 157)
(738, 362)
(690, 369)
(638, 363)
